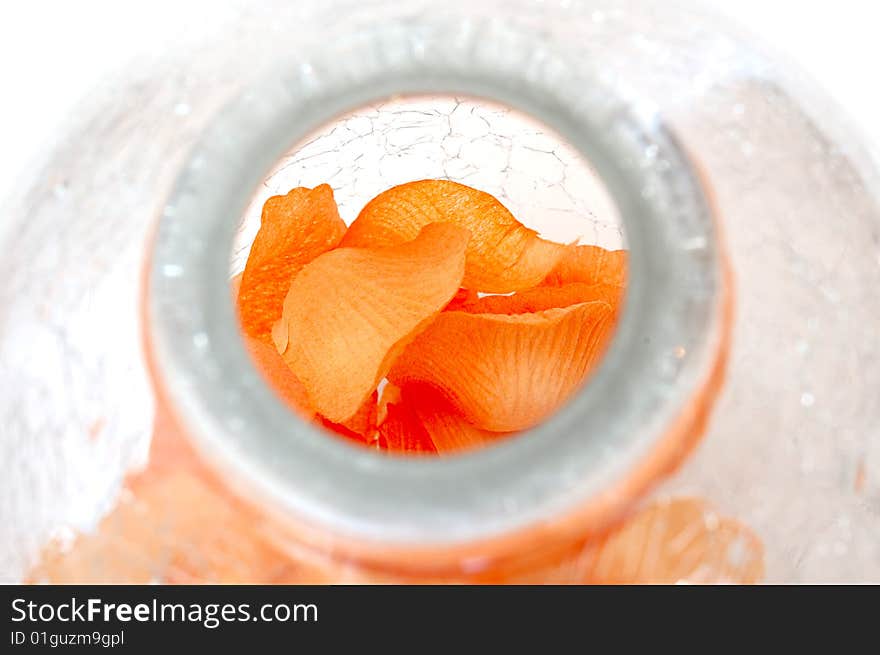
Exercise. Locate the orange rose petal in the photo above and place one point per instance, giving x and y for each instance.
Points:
(503, 254)
(540, 299)
(677, 541)
(462, 297)
(452, 434)
(390, 396)
(403, 432)
(507, 372)
(447, 429)
(364, 420)
(591, 265)
(362, 425)
(430, 415)
(294, 230)
(274, 370)
(342, 431)
(278, 375)
(350, 312)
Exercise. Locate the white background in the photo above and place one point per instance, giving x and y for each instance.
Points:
(53, 51)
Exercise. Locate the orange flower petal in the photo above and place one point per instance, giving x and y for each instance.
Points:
(507, 372)
(279, 377)
(503, 254)
(390, 396)
(671, 542)
(591, 265)
(294, 230)
(403, 432)
(426, 411)
(447, 429)
(362, 425)
(352, 310)
(274, 370)
(539, 299)
(462, 298)
(342, 431)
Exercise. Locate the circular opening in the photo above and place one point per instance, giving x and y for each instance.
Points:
(384, 148)
(638, 391)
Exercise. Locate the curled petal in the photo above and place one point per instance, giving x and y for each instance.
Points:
(591, 265)
(350, 312)
(431, 415)
(294, 229)
(507, 372)
(503, 254)
(540, 299)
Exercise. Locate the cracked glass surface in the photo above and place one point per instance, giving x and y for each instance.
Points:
(545, 183)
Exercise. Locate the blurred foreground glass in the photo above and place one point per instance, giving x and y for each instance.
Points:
(793, 445)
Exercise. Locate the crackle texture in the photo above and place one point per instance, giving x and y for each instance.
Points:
(530, 169)
(794, 446)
